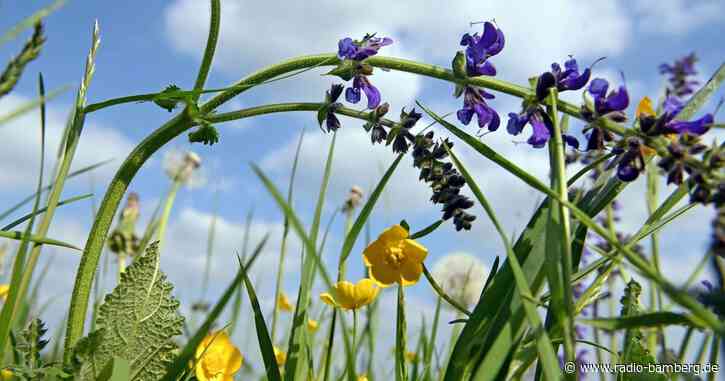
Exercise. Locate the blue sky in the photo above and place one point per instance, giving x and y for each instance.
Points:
(147, 45)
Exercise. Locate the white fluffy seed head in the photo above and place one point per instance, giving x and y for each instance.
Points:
(183, 167)
(461, 276)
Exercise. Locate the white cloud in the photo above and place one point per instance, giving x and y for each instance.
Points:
(20, 156)
(675, 17)
(254, 35)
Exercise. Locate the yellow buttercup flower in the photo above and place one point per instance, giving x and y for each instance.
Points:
(4, 289)
(312, 325)
(280, 356)
(284, 304)
(362, 377)
(217, 359)
(393, 258)
(411, 356)
(351, 296)
(6, 374)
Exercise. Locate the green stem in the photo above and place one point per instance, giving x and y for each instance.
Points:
(121, 265)
(211, 42)
(180, 123)
(437, 288)
(559, 180)
(354, 336)
(166, 213)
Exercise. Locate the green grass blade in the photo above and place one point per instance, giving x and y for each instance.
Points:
(265, 343)
(38, 240)
(46, 188)
(367, 209)
(181, 362)
(15, 297)
(545, 349)
(701, 97)
(400, 338)
(296, 356)
(645, 320)
(427, 230)
(29, 21)
(42, 210)
(31, 105)
(238, 297)
(311, 252)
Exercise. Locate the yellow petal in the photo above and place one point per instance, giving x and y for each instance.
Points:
(312, 325)
(410, 272)
(645, 108)
(345, 292)
(415, 251)
(366, 291)
(393, 233)
(328, 299)
(280, 356)
(384, 275)
(374, 254)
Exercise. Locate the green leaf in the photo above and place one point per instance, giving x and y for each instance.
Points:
(19, 236)
(118, 369)
(367, 209)
(265, 343)
(703, 95)
(635, 350)
(653, 319)
(137, 322)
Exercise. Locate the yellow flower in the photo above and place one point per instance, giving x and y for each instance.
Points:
(6, 374)
(393, 258)
(351, 296)
(644, 108)
(284, 304)
(280, 356)
(217, 359)
(4, 289)
(312, 325)
(411, 356)
(362, 377)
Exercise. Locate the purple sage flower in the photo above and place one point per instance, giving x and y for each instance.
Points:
(630, 160)
(607, 104)
(668, 124)
(349, 49)
(474, 102)
(680, 75)
(478, 50)
(360, 50)
(541, 125)
(568, 79)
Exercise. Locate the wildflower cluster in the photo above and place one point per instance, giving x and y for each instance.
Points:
(680, 74)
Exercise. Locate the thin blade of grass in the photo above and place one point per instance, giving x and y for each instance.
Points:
(181, 362)
(546, 353)
(296, 355)
(46, 188)
(42, 210)
(15, 295)
(309, 247)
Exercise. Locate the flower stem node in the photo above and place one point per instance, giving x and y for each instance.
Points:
(169, 98)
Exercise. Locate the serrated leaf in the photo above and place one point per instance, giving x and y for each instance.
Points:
(137, 322)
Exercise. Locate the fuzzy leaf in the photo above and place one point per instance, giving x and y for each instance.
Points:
(137, 322)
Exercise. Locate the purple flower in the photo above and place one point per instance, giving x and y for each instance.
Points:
(680, 72)
(474, 102)
(668, 124)
(541, 127)
(360, 50)
(631, 160)
(608, 104)
(349, 49)
(361, 82)
(567, 79)
(480, 48)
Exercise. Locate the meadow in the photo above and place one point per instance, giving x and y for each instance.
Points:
(573, 294)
